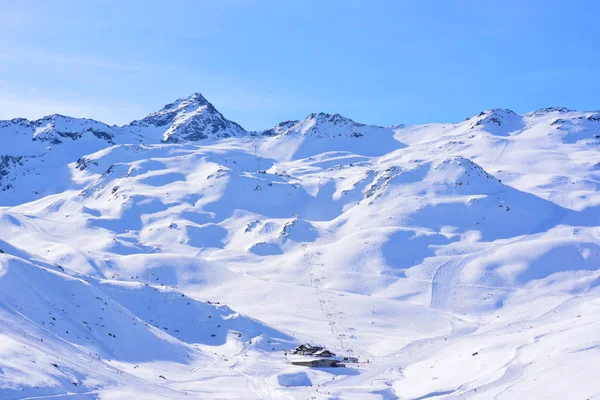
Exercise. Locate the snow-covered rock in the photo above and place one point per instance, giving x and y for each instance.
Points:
(188, 119)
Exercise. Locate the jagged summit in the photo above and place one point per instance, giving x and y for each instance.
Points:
(166, 114)
(189, 119)
(194, 98)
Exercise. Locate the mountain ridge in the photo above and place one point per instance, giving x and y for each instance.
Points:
(186, 122)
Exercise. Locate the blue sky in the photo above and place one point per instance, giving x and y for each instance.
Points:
(261, 62)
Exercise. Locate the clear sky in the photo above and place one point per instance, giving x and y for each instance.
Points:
(261, 62)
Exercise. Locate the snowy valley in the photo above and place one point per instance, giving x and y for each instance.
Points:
(182, 256)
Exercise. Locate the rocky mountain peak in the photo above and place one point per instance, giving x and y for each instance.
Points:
(189, 119)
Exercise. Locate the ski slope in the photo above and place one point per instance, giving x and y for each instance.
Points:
(181, 255)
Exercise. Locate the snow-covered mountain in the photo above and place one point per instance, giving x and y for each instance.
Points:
(182, 255)
(321, 133)
(189, 119)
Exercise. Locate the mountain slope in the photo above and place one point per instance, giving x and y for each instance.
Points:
(181, 255)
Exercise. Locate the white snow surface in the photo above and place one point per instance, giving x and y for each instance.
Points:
(180, 256)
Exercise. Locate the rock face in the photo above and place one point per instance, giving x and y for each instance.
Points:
(280, 128)
(54, 130)
(57, 128)
(189, 119)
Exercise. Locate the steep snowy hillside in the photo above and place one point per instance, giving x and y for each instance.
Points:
(180, 255)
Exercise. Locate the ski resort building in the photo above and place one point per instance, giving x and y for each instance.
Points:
(323, 353)
(306, 349)
(307, 355)
(318, 362)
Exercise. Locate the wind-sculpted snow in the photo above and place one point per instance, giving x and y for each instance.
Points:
(182, 255)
